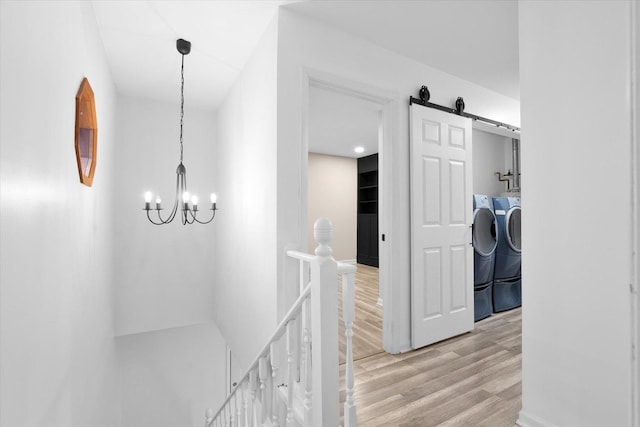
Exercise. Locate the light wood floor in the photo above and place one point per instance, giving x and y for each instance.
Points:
(470, 380)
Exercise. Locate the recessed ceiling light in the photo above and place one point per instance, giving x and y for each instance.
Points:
(359, 150)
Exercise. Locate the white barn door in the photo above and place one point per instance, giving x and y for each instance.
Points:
(441, 219)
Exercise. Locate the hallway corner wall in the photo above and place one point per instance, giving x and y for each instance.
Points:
(576, 152)
(245, 295)
(57, 351)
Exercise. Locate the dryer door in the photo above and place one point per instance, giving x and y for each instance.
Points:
(485, 231)
(514, 235)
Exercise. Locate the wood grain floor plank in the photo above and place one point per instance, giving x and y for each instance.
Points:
(473, 380)
(431, 413)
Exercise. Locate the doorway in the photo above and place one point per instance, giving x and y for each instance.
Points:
(337, 121)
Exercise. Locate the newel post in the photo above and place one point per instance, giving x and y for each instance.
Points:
(324, 329)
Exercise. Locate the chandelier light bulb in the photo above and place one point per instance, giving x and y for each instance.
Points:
(194, 200)
(214, 198)
(147, 197)
(186, 197)
(158, 200)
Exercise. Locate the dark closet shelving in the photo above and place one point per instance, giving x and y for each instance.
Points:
(368, 210)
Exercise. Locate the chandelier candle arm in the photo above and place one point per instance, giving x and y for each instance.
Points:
(182, 196)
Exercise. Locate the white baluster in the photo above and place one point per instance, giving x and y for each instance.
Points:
(243, 403)
(308, 393)
(297, 346)
(262, 374)
(305, 271)
(348, 315)
(303, 283)
(237, 407)
(275, 366)
(252, 398)
(290, 368)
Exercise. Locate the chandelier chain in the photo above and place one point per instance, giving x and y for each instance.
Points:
(181, 105)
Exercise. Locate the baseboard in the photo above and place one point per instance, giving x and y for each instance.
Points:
(379, 302)
(528, 420)
(348, 261)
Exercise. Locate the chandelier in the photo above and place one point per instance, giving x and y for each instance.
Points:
(187, 203)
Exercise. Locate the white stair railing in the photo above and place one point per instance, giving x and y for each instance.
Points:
(294, 379)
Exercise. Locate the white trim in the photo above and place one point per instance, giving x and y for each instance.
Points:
(386, 99)
(304, 158)
(528, 420)
(634, 92)
(348, 261)
(392, 341)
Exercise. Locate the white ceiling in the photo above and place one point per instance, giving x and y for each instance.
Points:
(475, 40)
(338, 123)
(139, 38)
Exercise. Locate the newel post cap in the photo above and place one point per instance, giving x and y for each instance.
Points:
(323, 233)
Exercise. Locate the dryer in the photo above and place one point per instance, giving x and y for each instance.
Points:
(484, 253)
(508, 252)
(507, 281)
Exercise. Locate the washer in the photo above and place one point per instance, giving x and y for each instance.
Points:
(485, 239)
(484, 244)
(508, 252)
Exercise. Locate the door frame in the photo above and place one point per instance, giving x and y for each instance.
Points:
(386, 100)
(635, 210)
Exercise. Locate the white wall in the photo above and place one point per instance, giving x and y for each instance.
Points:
(245, 294)
(171, 354)
(169, 377)
(333, 194)
(57, 356)
(165, 274)
(491, 154)
(577, 217)
(305, 44)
